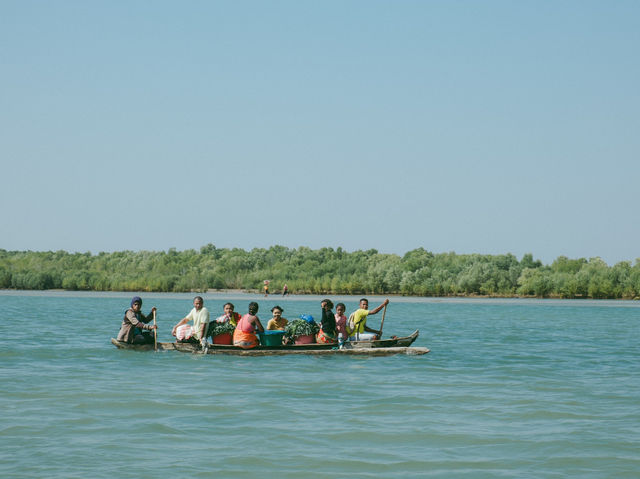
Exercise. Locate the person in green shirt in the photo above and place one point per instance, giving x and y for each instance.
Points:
(358, 320)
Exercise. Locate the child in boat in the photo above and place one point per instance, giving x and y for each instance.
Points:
(277, 323)
(229, 316)
(245, 334)
(327, 333)
(341, 321)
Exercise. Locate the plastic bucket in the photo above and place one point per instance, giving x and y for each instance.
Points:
(224, 338)
(271, 338)
(305, 339)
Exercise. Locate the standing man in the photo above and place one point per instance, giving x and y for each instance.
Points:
(358, 320)
(285, 290)
(198, 331)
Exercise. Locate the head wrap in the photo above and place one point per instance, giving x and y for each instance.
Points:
(136, 299)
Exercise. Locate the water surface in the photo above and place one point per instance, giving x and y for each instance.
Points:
(511, 388)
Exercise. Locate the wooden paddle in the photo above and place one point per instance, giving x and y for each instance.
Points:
(155, 333)
(384, 311)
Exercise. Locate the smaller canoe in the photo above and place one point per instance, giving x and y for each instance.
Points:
(387, 343)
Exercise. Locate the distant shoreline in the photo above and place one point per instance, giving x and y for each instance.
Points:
(258, 293)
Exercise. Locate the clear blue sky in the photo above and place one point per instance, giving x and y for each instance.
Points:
(468, 126)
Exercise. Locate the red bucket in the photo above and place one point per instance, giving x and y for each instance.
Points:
(306, 339)
(224, 338)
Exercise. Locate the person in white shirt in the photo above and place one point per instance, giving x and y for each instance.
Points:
(198, 331)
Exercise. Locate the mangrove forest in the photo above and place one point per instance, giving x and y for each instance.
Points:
(321, 271)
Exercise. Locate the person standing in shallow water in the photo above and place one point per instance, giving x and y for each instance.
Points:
(135, 323)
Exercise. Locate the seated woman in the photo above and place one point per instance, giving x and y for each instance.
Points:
(245, 333)
(277, 323)
(327, 333)
(229, 316)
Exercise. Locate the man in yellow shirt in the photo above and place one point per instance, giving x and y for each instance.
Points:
(358, 320)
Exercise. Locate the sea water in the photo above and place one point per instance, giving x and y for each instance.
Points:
(511, 388)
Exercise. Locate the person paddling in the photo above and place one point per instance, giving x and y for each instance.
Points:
(135, 324)
(358, 321)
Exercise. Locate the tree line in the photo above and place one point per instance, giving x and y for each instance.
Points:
(322, 271)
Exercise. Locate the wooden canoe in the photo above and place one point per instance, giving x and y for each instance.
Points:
(388, 343)
(385, 347)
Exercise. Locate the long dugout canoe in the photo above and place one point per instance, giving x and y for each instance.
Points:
(275, 351)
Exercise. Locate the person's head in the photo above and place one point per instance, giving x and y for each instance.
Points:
(364, 303)
(327, 303)
(229, 308)
(340, 308)
(198, 302)
(277, 312)
(253, 307)
(136, 303)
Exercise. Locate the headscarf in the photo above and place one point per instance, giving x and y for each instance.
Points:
(136, 299)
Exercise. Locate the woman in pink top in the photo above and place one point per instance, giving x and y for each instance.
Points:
(245, 333)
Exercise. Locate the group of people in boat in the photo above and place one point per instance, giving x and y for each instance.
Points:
(138, 328)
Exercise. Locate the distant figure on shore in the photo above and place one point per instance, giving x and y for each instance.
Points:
(266, 289)
(135, 324)
(285, 290)
(196, 333)
(245, 333)
(277, 323)
(358, 321)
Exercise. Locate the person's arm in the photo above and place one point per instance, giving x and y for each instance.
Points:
(370, 330)
(182, 321)
(148, 318)
(258, 325)
(131, 316)
(376, 310)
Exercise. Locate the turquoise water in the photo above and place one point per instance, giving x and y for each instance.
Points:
(511, 388)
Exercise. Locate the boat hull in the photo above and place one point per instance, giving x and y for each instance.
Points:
(385, 347)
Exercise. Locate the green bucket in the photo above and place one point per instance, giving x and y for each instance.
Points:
(271, 338)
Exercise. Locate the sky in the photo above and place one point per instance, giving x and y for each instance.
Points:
(486, 127)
